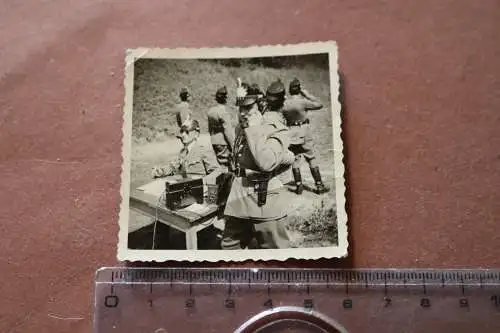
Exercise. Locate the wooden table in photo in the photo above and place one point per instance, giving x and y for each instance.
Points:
(189, 220)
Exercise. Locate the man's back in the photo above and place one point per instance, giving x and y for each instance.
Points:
(214, 122)
(219, 126)
(182, 112)
(296, 107)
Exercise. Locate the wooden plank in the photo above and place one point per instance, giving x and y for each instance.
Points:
(141, 204)
(180, 219)
(191, 239)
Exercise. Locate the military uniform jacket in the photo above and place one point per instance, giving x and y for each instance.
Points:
(296, 107)
(182, 113)
(295, 112)
(196, 158)
(262, 151)
(219, 126)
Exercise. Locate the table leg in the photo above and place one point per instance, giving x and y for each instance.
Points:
(191, 239)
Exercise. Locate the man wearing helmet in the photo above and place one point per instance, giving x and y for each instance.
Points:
(295, 112)
(220, 129)
(255, 210)
(254, 89)
(251, 90)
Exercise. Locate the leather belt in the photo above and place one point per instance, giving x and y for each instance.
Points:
(260, 182)
(298, 123)
(252, 175)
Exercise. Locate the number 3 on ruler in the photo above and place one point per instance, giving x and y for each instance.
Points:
(229, 304)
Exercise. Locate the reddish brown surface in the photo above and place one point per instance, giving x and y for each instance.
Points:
(422, 130)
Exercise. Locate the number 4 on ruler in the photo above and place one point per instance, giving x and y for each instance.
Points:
(496, 300)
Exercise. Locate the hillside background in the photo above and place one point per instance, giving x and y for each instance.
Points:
(157, 83)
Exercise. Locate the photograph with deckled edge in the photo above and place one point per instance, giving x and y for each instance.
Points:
(232, 154)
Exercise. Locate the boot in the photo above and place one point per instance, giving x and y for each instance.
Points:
(320, 187)
(298, 181)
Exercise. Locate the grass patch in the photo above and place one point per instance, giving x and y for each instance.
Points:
(316, 227)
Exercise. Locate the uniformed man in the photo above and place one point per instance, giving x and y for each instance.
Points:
(183, 109)
(254, 89)
(221, 130)
(194, 158)
(295, 112)
(256, 209)
(241, 91)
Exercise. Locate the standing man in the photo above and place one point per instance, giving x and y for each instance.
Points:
(295, 112)
(221, 130)
(256, 210)
(254, 89)
(183, 110)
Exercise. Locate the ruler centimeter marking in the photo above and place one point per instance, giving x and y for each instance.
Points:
(306, 278)
(310, 289)
(153, 274)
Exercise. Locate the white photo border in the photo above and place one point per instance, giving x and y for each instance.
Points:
(339, 251)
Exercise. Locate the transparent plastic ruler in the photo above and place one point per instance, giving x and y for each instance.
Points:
(192, 300)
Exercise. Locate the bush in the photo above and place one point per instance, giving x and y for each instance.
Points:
(321, 223)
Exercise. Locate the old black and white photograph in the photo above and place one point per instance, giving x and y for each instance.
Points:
(232, 154)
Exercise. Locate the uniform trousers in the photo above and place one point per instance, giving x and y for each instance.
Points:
(302, 145)
(241, 233)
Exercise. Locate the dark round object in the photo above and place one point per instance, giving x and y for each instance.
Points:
(276, 89)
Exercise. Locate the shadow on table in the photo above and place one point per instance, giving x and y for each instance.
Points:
(171, 239)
